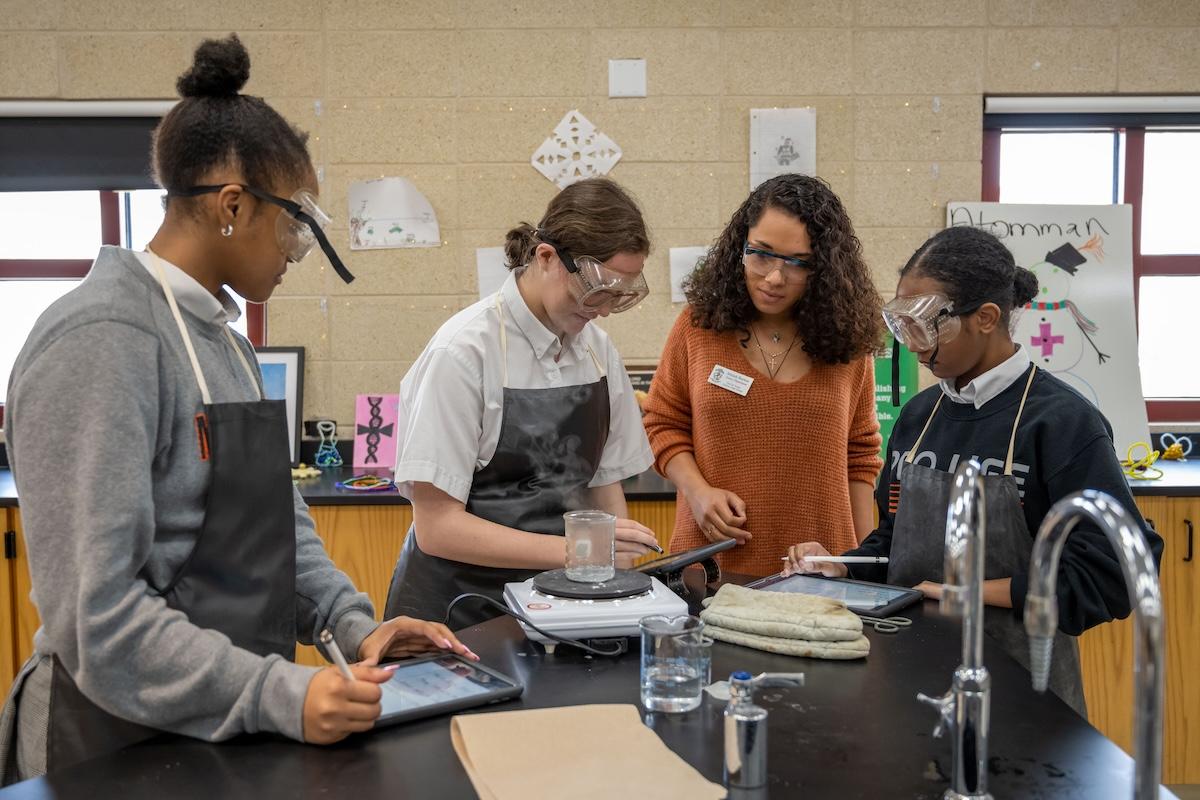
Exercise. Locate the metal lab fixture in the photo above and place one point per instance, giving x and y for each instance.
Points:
(1141, 580)
(966, 708)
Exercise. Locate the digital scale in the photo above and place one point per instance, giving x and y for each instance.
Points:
(608, 610)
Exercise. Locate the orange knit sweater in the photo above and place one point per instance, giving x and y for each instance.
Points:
(789, 450)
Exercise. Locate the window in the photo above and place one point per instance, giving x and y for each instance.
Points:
(1152, 162)
(58, 163)
(51, 241)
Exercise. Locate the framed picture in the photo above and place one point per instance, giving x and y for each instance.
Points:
(283, 379)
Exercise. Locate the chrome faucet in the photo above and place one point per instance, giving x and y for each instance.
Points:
(966, 708)
(1141, 580)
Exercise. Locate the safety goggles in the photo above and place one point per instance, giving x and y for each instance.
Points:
(763, 262)
(298, 228)
(923, 322)
(595, 286)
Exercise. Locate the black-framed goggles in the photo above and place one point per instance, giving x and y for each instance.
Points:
(298, 229)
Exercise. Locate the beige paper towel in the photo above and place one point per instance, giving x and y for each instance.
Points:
(582, 752)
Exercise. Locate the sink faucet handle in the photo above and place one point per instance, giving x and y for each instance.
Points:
(944, 705)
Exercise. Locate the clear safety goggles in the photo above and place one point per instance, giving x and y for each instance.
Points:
(763, 262)
(595, 286)
(299, 227)
(924, 321)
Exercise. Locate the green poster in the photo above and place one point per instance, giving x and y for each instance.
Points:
(884, 409)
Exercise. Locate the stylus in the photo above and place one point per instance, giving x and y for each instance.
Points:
(844, 559)
(336, 652)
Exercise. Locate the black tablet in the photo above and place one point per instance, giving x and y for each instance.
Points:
(861, 597)
(425, 687)
(677, 561)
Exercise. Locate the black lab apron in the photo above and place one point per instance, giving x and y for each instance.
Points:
(240, 577)
(918, 551)
(532, 479)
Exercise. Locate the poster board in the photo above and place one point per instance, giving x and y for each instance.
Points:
(1081, 326)
(909, 379)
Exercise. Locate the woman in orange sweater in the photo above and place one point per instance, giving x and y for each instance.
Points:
(762, 410)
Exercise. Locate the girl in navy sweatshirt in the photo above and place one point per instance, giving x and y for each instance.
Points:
(1035, 437)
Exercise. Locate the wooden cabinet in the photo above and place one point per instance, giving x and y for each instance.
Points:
(8, 633)
(1107, 651)
(27, 620)
(19, 614)
(364, 541)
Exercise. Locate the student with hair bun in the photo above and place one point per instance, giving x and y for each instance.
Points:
(1036, 438)
(519, 410)
(179, 568)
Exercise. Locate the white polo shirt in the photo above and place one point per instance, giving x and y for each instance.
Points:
(991, 383)
(452, 399)
(191, 295)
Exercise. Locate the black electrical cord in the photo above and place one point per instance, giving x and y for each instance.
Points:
(518, 616)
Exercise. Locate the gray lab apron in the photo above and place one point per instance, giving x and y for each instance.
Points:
(918, 551)
(239, 579)
(532, 479)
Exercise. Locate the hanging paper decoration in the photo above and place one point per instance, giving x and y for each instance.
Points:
(576, 151)
(375, 430)
(391, 212)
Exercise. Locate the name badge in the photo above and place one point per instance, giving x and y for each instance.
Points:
(726, 378)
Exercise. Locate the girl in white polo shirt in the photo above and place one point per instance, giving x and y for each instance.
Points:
(520, 410)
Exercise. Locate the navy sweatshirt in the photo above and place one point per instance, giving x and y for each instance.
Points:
(1064, 444)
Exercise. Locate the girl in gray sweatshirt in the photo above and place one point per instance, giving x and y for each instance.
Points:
(174, 566)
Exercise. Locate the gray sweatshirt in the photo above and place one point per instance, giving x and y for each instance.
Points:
(101, 440)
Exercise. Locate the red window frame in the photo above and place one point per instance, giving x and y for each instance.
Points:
(1143, 265)
(77, 268)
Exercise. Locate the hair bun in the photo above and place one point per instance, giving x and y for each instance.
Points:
(220, 68)
(1025, 287)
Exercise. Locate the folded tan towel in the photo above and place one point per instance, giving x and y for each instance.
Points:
(838, 651)
(783, 622)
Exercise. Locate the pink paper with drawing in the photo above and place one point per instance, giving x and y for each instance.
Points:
(375, 430)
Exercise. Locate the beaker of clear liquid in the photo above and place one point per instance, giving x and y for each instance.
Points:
(676, 662)
(591, 546)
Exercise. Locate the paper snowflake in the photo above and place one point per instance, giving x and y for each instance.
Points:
(576, 151)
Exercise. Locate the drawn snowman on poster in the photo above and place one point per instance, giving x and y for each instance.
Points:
(1062, 334)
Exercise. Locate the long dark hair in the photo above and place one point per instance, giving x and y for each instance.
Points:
(838, 315)
(975, 268)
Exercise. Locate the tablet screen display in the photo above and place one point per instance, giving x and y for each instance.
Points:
(861, 597)
(428, 683)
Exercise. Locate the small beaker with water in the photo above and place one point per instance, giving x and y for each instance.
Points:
(591, 546)
(676, 662)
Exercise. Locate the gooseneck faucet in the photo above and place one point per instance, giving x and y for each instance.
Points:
(965, 709)
(1141, 580)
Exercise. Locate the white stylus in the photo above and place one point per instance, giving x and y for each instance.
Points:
(844, 559)
(336, 652)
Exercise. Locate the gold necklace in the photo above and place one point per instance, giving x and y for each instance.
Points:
(771, 359)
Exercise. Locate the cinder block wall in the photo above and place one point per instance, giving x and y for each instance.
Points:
(457, 95)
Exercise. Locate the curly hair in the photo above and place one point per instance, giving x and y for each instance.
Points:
(838, 316)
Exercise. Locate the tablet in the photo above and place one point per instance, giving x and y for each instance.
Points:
(677, 561)
(861, 597)
(425, 687)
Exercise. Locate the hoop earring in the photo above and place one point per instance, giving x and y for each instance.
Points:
(227, 231)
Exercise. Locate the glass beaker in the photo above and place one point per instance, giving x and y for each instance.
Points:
(676, 662)
(591, 545)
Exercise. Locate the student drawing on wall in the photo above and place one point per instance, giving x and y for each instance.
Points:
(1062, 333)
(786, 153)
